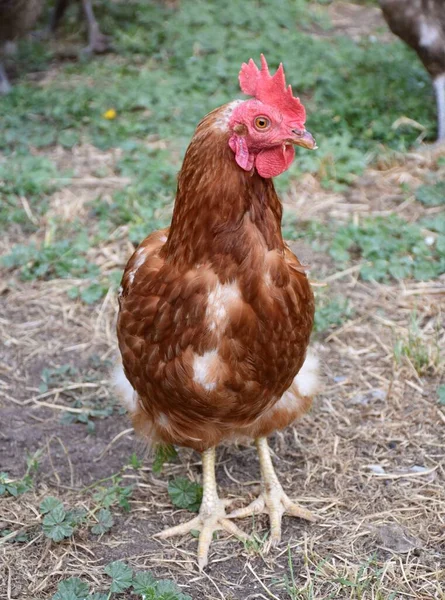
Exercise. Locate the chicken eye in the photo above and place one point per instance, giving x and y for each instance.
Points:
(262, 123)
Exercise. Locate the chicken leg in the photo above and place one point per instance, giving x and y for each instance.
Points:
(97, 41)
(212, 515)
(5, 86)
(439, 88)
(272, 499)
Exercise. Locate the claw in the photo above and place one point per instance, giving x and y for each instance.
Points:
(206, 525)
(272, 500)
(212, 515)
(254, 508)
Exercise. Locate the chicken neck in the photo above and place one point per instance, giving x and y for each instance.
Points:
(220, 210)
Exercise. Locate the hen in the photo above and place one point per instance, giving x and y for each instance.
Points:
(216, 312)
(421, 25)
(97, 41)
(16, 18)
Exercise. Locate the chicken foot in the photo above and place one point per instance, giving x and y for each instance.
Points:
(212, 515)
(98, 42)
(272, 499)
(439, 88)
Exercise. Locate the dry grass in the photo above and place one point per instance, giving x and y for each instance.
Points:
(368, 460)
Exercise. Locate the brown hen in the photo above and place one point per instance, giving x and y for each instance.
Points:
(421, 25)
(17, 17)
(216, 312)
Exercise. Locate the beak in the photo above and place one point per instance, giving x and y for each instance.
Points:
(303, 138)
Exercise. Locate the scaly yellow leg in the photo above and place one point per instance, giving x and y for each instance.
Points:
(212, 515)
(272, 499)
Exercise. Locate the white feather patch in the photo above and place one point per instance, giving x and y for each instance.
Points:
(307, 379)
(141, 254)
(162, 420)
(201, 367)
(429, 33)
(218, 301)
(127, 394)
(223, 121)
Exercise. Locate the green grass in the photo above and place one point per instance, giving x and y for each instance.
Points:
(79, 409)
(388, 248)
(177, 64)
(331, 311)
(26, 182)
(170, 67)
(423, 354)
(360, 583)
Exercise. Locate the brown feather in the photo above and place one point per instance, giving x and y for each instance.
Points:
(215, 320)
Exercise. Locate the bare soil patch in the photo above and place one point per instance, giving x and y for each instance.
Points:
(368, 460)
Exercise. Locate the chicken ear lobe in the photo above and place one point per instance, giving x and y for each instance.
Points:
(243, 157)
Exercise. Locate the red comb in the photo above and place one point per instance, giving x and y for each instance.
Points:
(271, 89)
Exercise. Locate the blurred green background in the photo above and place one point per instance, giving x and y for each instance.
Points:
(171, 64)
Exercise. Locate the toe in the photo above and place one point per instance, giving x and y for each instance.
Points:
(206, 535)
(254, 508)
(275, 514)
(233, 529)
(205, 539)
(295, 510)
(181, 529)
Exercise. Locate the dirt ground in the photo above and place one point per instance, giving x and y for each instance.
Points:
(368, 460)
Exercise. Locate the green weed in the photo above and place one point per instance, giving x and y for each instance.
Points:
(330, 312)
(64, 376)
(423, 354)
(337, 163)
(115, 494)
(185, 493)
(135, 462)
(63, 259)
(16, 487)
(441, 395)
(163, 453)
(317, 234)
(389, 248)
(104, 523)
(20, 537)
(123, 578)
(436, 224)
(255, 544)
(58, 523)
(26, 181)
(431, 194)
(13, 487)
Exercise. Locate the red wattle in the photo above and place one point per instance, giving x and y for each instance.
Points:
(272, 162)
